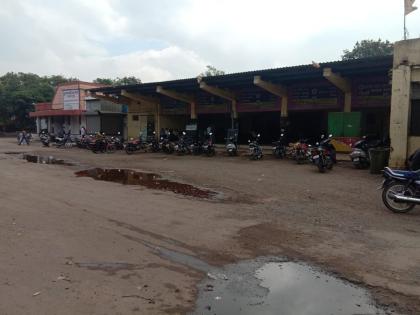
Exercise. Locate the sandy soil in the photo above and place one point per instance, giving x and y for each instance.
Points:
(72, 245)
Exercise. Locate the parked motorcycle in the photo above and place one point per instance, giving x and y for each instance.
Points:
(401, 190)
(182, 146)
(301, 150)
(134, 145)
(324, 154)
(255, 150)
(279, 147)
(360, 152)
(103, 145)
(45, 138)
(232, 142)
(166, 145)
(152, 144)
(208, 147)
(65, 141)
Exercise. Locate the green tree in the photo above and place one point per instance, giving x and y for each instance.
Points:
(211, 72)
(118, 81)
(18, 94)
(127, 81)
(107, 81)
(369, 48)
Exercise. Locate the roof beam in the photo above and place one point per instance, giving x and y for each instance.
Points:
(187, 98)
(140, 98)
(275, 89)
(336, 79)
(109, 98)
(218, 91)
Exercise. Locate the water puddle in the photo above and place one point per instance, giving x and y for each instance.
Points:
(45, 160)
(272, 285)
(281, 287)
(148, 180)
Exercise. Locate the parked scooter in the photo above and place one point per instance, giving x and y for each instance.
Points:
(279, 147)
(64, 142)
(360, 152)
(232, 142)
(324, 155)
(255, 150)
(401, 190)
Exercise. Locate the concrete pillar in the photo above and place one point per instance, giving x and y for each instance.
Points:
(49, 124)
(347, 102)
(284, 112)
(38, 125)
(400, 111)
(234, 112)
(193, 111)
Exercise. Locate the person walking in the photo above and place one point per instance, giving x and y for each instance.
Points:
(23, 137)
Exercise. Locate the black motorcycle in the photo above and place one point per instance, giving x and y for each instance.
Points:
(152, 144)
(134, 145)
(183, 145)
(166, 145)
(208, 146)
(324, 155)
(255, 151)
(279, 147)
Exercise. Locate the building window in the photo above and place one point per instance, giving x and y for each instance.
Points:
(415, 118)
(135, 117)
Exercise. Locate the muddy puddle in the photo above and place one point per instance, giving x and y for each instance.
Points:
(272, 285)
(281, 287)
(148, 180)
(45, 160)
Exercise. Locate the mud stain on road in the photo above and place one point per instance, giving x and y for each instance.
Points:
(39, 159)
(109, 267)
(148, 180)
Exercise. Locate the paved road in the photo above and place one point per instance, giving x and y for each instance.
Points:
(86, 247)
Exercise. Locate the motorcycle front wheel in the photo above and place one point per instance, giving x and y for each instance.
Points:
(393, 189)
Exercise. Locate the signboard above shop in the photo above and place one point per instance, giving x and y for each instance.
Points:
(71, 99)
(315, 97)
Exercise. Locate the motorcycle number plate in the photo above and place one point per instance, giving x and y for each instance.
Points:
(316, 157)
(356, 159)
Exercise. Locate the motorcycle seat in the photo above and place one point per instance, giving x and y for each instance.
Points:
(403, 174)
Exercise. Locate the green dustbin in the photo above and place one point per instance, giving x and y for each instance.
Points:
(378, 159)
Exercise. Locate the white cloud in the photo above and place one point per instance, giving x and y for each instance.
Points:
(167, 39)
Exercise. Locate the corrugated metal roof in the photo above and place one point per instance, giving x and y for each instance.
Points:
(355, 67)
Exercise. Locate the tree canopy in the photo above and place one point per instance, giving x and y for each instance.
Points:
(20, 91)
(369, 48)
(118, 81)
(18, 94)
(211, 72)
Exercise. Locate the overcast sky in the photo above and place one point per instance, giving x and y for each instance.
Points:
(170, 39)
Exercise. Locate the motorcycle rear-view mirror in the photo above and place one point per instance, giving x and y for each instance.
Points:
(322, 136)
(258, 135)
(330, 135)
(184, 133)
(317, 143)
(282, 135)
(249, 141)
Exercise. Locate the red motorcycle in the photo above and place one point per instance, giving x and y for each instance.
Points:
(134, 145)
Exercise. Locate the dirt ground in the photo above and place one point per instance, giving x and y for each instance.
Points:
(72, 245)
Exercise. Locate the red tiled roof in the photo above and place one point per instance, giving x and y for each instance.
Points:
(56, 112)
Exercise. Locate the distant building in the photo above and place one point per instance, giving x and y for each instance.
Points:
(72, 108)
